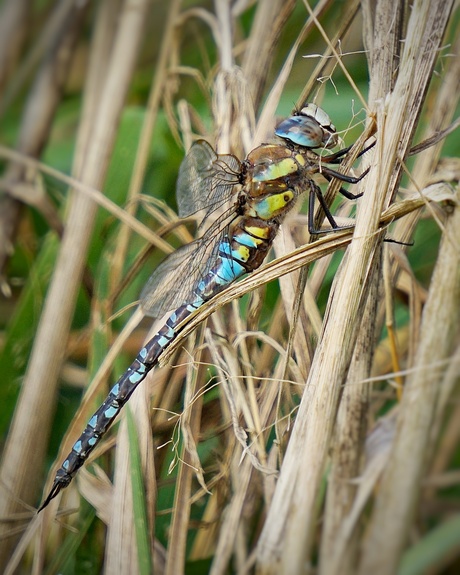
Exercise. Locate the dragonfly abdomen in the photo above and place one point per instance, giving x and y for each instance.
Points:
(242, 253)
(251, 238)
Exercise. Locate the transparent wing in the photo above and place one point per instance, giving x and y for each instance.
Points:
(206, 180)
(173, 282)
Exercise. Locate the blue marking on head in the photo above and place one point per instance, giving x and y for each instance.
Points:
(301, 130)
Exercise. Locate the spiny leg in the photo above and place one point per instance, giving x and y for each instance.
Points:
(338, 157)
(343, 177)
(330, 175)
(315, 191)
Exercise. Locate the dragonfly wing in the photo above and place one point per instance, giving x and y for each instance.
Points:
(168, 285)
(206, 180)
(175, 280)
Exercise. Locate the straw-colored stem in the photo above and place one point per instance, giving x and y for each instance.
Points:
(285, 542)
(401, 483)
(39, 386)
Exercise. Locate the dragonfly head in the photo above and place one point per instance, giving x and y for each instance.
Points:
(309, 127)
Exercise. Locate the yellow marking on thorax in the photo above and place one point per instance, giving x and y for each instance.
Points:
(300, 159)
(277, 202)
(260, 234)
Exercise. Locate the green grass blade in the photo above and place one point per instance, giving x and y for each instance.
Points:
(140, 513)
(429, 553)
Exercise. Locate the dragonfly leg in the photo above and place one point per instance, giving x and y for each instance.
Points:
(338, 157)
(315, 191)
(329, 174)
(342, 190)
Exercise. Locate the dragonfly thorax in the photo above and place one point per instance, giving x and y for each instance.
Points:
(274, 177)
(272, 205)
(270, 164)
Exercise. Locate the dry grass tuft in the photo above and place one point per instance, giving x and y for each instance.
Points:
(281, 433)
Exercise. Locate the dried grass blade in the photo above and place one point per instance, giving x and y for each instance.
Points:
(261, 45)
(287, 535)
(400, 489)
(189, 465)
(34, 411)
(338, 549)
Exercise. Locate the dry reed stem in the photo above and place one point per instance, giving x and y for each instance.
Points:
(93, 194)
(13, 32)
(240, 474)
(34, 131)
(39, 386)
(426, 23)
(121, 549)
(401, 483)
(285, 541)
(246, 373)
(15, 26)
(36, 124)
(326, 63)
(347, 446)
(259, 52)
(265, 122)
(188, 467)
(122, 522)
(334, 555)
(440, 117)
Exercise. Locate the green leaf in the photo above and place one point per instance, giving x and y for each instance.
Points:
(139, 504)
(430, 553)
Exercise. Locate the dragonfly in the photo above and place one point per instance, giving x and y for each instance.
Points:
(253, 197)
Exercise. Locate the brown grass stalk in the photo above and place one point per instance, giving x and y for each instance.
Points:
(403, 477)
(286, 539)
(38, 390)
(222, 409)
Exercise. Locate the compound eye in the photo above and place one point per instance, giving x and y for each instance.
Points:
(309, 128)
(301, 130)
